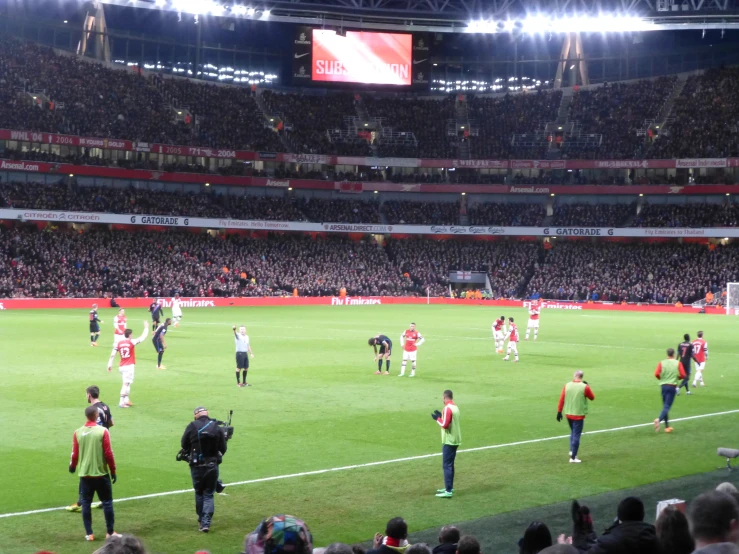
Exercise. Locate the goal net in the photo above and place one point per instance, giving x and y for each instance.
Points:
(732, 298)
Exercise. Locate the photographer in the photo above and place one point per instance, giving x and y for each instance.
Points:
(204, 443)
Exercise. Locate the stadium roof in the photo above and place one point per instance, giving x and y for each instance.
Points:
(486, 16)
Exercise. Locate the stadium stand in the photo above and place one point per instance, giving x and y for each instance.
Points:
(703, 118)
(617, 111)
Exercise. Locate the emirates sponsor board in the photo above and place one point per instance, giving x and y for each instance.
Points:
(355, 300)
(223, 302)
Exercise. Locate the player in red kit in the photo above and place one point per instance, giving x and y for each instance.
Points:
(700, 351)
(126, 348)
(410, 340)
(499, 332)
(119, 326)
(512, 341)
(534, 309)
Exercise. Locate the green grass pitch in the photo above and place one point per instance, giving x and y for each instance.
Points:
(316, 404)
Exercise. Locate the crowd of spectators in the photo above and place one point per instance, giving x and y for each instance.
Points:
(225, 116)
(340, 211)
(638, 272)
(429, 262)
(704, 118)
(98, 263)
(616, 111)
(400, 212)
(426, 119)
(309, 117)
(687, 215)
(601, 215)
(507, 215)
(95, 262)
(79, 97)
(150, 201)
(498, 119)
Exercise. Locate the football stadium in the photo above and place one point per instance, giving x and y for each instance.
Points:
(272, 272)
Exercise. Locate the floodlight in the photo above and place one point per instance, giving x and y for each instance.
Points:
(238, 10)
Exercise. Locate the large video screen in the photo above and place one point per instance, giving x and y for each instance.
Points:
(359, 57)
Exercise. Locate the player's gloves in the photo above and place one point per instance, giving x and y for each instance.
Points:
(72, 469)
(436, 415)
(559, 416)
(113, 477)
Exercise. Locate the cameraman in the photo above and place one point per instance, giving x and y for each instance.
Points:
(205, 443)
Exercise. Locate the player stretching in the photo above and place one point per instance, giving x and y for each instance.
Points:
(119, 326)
(499, 333)
(700, 351)
(94, 325)
(386, 346)
(158, 341)
(512, 341)
(534, 309)
(410, 340)
(126, 349)
(176, 310)
(156, 313)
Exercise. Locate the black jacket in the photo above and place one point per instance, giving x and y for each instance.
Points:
(629, 537)
(445, 548)
(204, 441)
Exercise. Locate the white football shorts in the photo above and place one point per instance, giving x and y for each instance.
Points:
(127, 373)
(533, 324)
(410, 355)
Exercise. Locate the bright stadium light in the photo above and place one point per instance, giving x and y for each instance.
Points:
(160, 3)
(238, 10)
(266, 14)
(540, 24)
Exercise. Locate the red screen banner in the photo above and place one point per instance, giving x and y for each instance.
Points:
(359, 57)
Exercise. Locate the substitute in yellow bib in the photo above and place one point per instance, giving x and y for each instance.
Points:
(669, 372)
(574, 402)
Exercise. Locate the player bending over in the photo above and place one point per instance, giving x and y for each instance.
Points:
(386, 346)
(176, 310)
(94, 325)
(158, 341)
(512, 341)
(410, 340)
(127, 350)
(499, 333)
(700, 351)
(534, 309)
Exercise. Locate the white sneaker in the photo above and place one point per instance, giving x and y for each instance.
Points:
(412, 375)
(505, 359)
(401, 375)
(688, 392)
(575, 461)
(122, 406)
(703, 384)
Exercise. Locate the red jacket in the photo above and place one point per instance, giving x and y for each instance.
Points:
(107, 449)
(588, 394)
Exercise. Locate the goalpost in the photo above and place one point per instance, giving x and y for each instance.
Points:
(732, 298)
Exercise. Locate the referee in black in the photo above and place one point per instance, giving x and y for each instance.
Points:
(205, 442)
(386, 347)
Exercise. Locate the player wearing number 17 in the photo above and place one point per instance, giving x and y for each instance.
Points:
(410, 340)
(127, 350)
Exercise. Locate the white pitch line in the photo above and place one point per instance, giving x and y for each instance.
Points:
(376, 464)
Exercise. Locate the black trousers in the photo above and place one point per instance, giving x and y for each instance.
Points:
(89, 486)
(204, 480)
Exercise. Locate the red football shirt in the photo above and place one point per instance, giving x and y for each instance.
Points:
(699, 350)
(411, 337)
